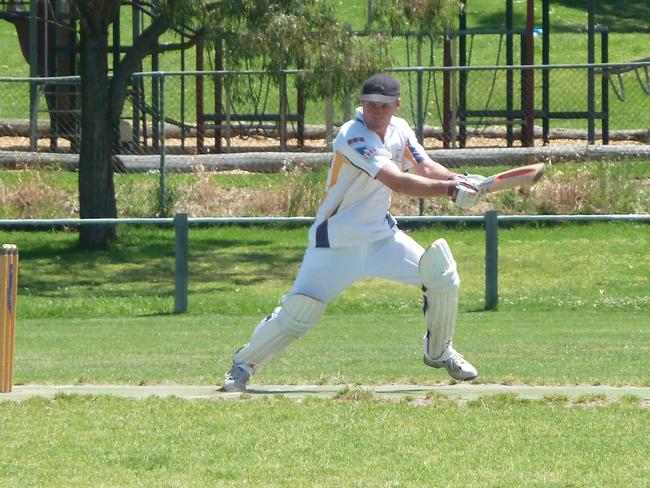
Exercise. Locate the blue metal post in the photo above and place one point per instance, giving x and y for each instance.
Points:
(181, 275)
(491, 260)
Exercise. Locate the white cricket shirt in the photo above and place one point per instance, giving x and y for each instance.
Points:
(354, 209)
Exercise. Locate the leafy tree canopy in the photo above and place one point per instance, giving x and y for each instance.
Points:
(305, 34)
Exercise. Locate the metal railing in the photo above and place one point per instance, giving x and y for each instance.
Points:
(182, 222)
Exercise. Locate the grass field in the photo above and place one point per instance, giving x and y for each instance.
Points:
(238, 270)
(508, 347)
(175, 443)
(557, 323)
(343, 443)
(574, 310)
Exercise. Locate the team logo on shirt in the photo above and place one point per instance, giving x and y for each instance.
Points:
(366, 152)
(354, 140)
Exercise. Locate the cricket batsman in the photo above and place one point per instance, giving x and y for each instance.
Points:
(354, 236)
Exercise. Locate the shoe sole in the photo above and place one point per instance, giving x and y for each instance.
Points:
(466, 379)
(437, 365)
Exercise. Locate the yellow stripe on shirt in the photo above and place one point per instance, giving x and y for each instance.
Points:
(337, 164)
(409, 156)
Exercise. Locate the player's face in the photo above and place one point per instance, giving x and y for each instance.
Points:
(377, 115)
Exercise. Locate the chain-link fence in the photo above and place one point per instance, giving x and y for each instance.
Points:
(40, 114)
(232, 112)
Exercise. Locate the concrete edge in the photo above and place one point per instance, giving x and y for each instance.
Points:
(461, 391)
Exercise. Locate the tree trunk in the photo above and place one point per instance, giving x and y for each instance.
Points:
(96, 186)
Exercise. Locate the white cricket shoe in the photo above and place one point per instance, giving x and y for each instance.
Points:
(457, 366)
(235, 380)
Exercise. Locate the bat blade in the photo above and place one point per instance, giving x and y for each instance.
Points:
(513, 178)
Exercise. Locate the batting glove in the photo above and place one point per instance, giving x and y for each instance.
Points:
(466, 195)
(475, 180)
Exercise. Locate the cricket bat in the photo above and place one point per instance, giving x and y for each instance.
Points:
(513, 178)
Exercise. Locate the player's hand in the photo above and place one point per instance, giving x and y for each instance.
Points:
(475, 180)
(466, 195)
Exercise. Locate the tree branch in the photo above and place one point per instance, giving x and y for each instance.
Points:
(142, 46)
(190, 42)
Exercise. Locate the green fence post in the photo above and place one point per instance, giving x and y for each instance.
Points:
(181, 275)
(491, 260)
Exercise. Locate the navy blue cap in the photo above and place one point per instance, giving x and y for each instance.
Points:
(381, 88)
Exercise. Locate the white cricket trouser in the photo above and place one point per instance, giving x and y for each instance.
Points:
(323, 275)
(326, 272)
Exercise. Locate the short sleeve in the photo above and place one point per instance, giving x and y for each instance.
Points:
(363, 153)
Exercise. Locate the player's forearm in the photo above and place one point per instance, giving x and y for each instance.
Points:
(426, 187)
(434, 171)
(416, 185)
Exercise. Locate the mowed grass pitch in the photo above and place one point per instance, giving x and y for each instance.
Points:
(574, 309)
(498, 441)
(546, 348)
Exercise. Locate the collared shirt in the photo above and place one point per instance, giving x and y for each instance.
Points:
(354, 209)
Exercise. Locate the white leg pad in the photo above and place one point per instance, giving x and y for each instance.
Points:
(297, 314)
(441, 285)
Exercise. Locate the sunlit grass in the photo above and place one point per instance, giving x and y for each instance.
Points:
(552, 347)
(496, 441)
(244, 270)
